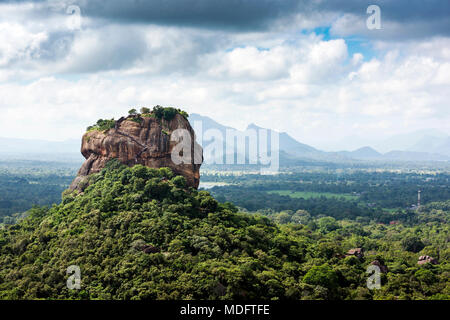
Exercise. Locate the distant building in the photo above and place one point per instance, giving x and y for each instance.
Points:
(418, 199)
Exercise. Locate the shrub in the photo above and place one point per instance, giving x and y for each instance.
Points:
(425, 276)
(102, 125)
(412, 244)
(145, 110)
(321, 276)
(179, 181)
(168, 113)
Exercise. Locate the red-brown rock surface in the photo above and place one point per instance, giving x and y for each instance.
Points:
(357, 252)
(426, 259)
(137, 140)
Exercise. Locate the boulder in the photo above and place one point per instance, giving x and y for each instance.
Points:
(357, 252)
(138, 140)
(426, 259)
(150, 249)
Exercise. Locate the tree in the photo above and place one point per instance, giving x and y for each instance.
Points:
(425, 276)
(169, 113)
(166, 113)
(327, 224)
(321, 276)
(412, 243)
(183, 113)
(283, 217)
(132, 112)
(179, 181)
(145, 110)
(158, 111)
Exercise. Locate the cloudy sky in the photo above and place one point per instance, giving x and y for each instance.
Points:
(309, 68)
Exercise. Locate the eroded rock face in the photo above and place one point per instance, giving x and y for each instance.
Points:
(138, 140)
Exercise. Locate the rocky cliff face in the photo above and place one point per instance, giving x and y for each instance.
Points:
(137, 140)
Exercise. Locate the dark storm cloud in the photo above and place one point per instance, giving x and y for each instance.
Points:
(414, 18)
(431, 16)
(395, 10)
(235, 14)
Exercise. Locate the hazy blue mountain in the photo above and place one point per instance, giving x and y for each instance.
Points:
(420, 141)
(397, 155)
(444, 147)
(291, 146)
(206, 124)
(291, 149)
(424, 145)
(432, 144)
(287, 144)
(364, 153)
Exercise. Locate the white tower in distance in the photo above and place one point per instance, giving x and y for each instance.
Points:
(418, 199)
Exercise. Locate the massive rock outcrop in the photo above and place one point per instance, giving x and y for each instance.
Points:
(135, 140)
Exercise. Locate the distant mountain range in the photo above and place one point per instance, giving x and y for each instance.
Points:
(433, 144)
(368, 153)
(439, 150)
(426, 140)
(287, 143)
(424, 145)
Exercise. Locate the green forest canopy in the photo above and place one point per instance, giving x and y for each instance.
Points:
(203, 249)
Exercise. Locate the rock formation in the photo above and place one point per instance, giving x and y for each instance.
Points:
(135, 140)
(356, 252)
(426, 259)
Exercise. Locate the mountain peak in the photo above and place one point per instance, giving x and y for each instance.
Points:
(253, 126)
(367, 150)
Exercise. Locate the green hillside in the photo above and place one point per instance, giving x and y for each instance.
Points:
(139, 233)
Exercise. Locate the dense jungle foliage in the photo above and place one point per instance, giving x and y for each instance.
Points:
(376, 188)
(140, 233)
(27, 183)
